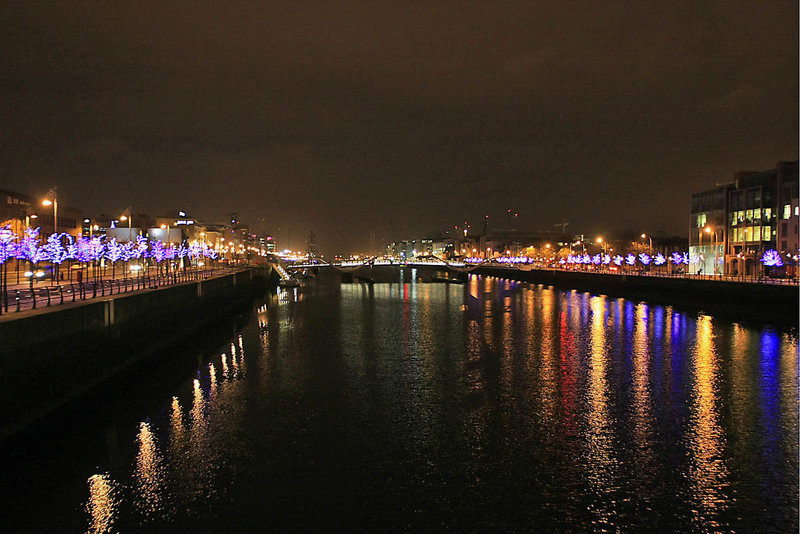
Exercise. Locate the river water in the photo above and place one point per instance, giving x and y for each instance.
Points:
(491, 405)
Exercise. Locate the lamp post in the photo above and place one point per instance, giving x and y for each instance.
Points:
(127, 217)
(645, 236)
(52, 199)
(709, 230)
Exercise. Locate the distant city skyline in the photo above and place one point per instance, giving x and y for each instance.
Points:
(381, 122)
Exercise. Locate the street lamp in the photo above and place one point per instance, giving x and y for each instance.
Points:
(127, 217)
(645, 236)
(709, 230)
(52, 199)
(602, 244)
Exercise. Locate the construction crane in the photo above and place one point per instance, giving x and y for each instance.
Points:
(563, 226)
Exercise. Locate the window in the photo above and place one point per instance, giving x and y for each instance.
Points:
(787, 211)
(701, 220)
(756, 215)
(784, 228)
(767, 214)
(765, 233)
(756, 233)
(783, 245)
(796, 211)
(748, 216)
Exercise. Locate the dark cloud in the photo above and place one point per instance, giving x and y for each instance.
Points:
(399, 118)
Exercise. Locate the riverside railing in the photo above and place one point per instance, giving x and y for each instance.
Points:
(19, 298)
(754, 279)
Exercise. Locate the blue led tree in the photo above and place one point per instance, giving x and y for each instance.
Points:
(630, 259)
(8, 250)
(772, 260)
(114, 253)
(644, 258)
(54, 252)
(618, 260)
(677, 258)
(659, 259)
(28, 247)
(606, 259)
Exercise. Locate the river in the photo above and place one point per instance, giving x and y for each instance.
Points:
(491, 405)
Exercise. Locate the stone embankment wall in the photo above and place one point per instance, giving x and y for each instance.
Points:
(50, 356)
(746, 300)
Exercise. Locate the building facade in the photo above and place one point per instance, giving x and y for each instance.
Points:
(733, 225)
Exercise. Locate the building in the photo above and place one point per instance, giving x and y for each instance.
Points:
(708, 229)
(732, 225)
(20, 211)
(788, 239)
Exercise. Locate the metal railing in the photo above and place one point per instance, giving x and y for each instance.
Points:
(655, 273)
(18, 298)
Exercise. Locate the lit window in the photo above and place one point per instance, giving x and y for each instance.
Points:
(796, 211)
(787, 211)
(767, 214)
(765, 233)
(756, 233)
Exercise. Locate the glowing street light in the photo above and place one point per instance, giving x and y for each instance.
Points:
(52, 200)
(645, 236)
(126, 216)
(709, 231)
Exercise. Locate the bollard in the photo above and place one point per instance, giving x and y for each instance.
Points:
(48, 296)
(19, 301)
(61, 293)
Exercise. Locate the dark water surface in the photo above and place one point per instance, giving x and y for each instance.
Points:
(491, 405)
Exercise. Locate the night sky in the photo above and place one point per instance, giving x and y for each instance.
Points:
(401, 118)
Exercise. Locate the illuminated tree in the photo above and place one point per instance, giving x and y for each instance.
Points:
(596, 259)
(618, 260)
(644, 258)
(606, 259)
(659, 259)
(630, 259)
(676, 258)
(114, 253)
(772, 258)
(54, 252)
(28, 247)
(8, 250)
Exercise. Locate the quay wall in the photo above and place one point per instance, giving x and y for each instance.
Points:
(50, 356)
(748, 300)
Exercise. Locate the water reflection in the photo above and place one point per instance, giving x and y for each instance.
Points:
(602, 462)
(482, 405)
(102, 504)
(708, 472)
(149, 474)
